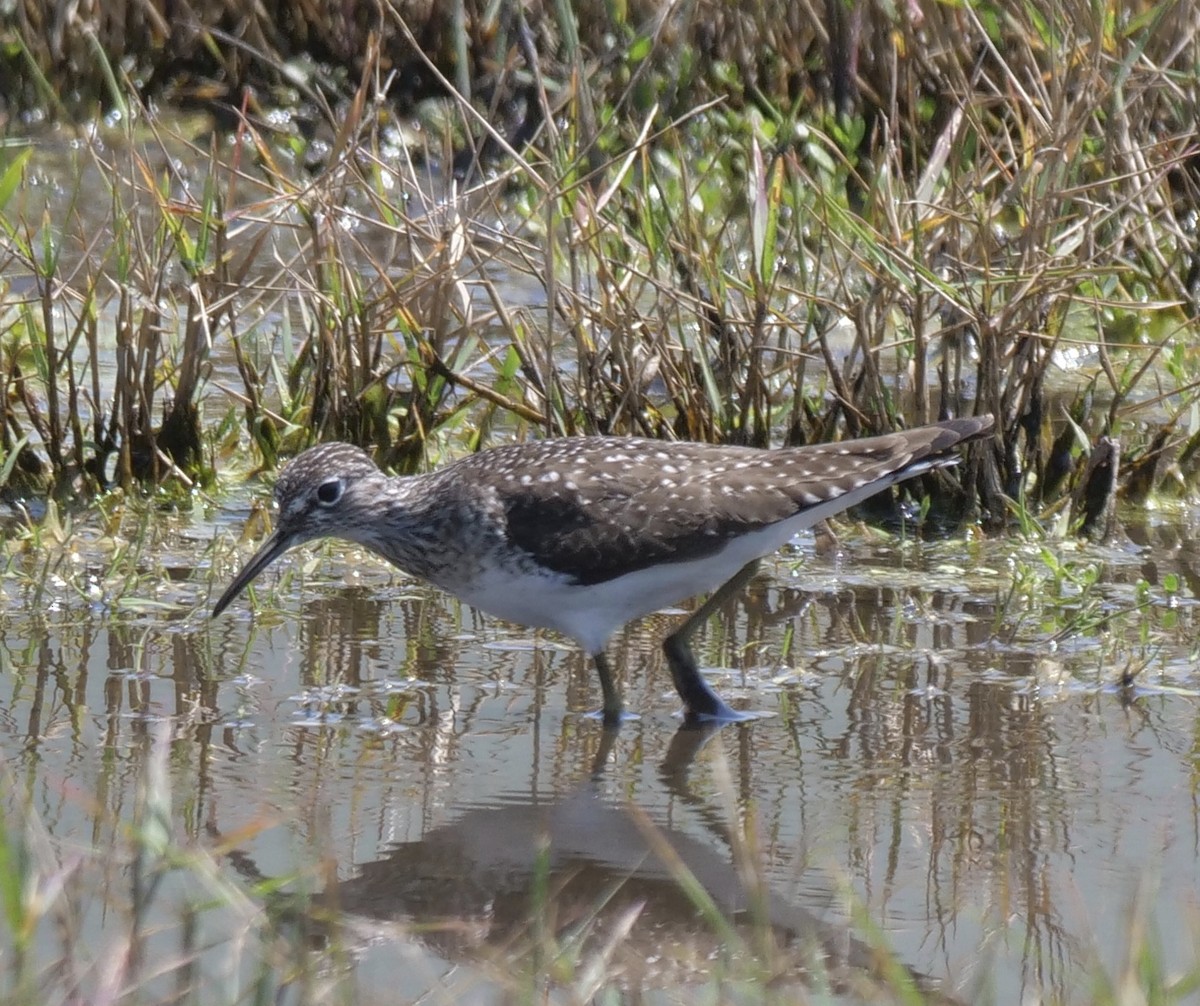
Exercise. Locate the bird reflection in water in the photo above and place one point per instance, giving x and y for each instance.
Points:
(481, 887)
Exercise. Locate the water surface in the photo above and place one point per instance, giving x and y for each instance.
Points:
(947, 761)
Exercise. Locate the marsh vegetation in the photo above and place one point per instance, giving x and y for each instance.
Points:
(225, 240)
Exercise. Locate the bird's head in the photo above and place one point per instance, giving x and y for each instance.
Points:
(323, 492)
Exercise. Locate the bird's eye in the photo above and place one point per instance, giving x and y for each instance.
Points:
(328, 493)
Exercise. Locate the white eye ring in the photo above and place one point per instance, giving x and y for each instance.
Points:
(329, 492)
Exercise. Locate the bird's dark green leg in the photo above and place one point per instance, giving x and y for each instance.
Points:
(613, 707)
(699, 700)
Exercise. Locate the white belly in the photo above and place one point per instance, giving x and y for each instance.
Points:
(591, 614)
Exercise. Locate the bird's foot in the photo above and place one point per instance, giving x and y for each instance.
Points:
(722, 714)
(703, 705)
(611, 719)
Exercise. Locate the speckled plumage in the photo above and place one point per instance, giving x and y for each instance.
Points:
(583, 534)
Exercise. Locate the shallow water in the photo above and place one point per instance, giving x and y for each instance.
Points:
(944, 761)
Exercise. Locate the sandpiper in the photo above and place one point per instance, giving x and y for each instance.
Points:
(583, 534)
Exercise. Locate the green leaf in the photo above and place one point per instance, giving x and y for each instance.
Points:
(10, 459)
(639, 50)
(12, 176)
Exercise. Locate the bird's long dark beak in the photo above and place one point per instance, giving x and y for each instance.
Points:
(271, 550)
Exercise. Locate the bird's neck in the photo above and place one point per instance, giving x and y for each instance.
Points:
(414, 526)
